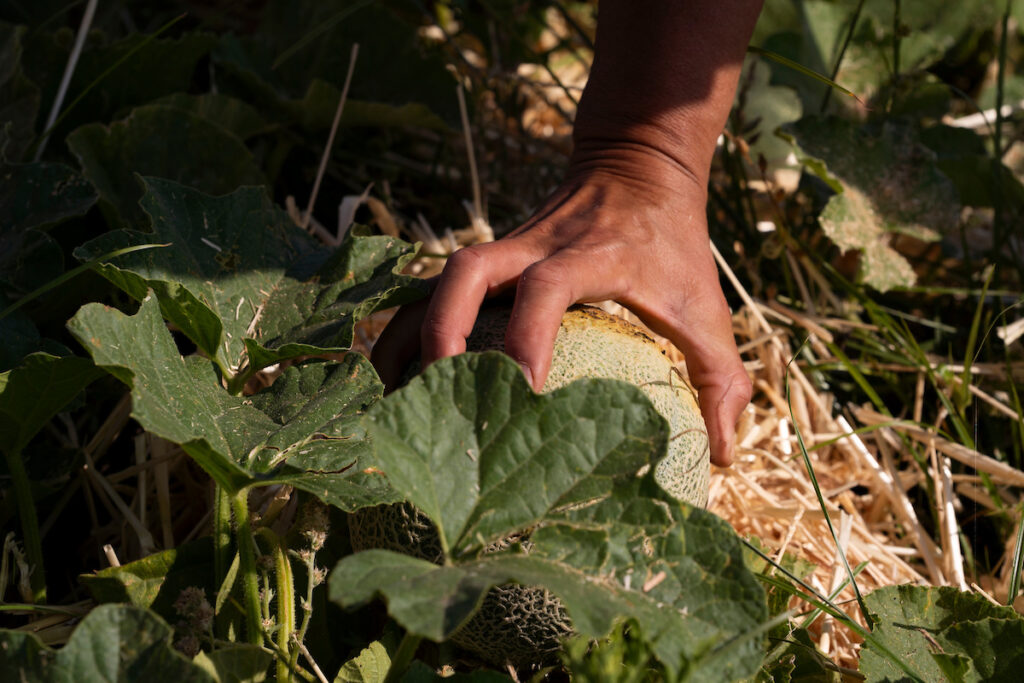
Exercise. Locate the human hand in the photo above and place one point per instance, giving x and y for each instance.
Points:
(627, 226)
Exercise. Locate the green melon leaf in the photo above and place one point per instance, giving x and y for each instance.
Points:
(474, 448)
(887, 183)
(434, 601)
(471, 446)
(32, 393)
(224, 252)
(144, 68)
(667, 548)
(40, 194)
(419, 672)
(162, 141)
(300, 431)
(28, 260)
(370, 666)
(994, 646)
(942, 630)
(154, 582)
(246, 285)
(237, 663)
(317, 108)
(241, 118)
(800, 662)
(19, 97)
(112, 643)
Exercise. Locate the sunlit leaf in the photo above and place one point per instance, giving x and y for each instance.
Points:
(301, 432)
(244, 283)
(937, 630)
(887, 183)
(370, 666)
(155, 582)
(483, 456)
(471, 445)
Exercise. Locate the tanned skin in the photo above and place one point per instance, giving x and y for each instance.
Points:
(628, 222)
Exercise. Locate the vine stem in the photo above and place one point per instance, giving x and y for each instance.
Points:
(403, 657)
(29, 524)
(222, 550)
(247, 568)
(285, 587)
(307, 607)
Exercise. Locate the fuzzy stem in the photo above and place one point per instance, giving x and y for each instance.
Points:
(222, 546)
(237, 382)
(403, 658)
(29, 524)
(307, 607)
(285, 586)
(247, 569)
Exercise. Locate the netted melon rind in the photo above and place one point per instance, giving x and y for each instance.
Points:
(400, 527)
(521, 625)
(518, 625)
(592, 343)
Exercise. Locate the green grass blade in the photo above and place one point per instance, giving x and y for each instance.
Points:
(964, 391)
(88, 265)
(867, 429)
(1018, 560)
(29, 519)
(816, 612)
(812, 599)
(858, 377)
(321, 29)
(96, 81)
(821, 501)
(796, 66)
(854, 20)
(1017, 566)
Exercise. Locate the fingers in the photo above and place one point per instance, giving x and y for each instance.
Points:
(398, 344)
(469, 276)
(703, 331)
(544, 292)
(721, 403)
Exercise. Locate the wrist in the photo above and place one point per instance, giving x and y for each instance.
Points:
(649, 152)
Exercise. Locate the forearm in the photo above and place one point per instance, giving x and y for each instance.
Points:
(663, 82)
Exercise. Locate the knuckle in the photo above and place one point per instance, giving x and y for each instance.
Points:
(742, 388)
(468, 260)
(434, 327)
(549, 273)
(736, 389)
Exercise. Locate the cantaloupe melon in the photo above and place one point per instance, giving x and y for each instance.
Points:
(592, 343)
(523, 625)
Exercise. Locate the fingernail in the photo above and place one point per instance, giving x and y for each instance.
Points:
(528, 373)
